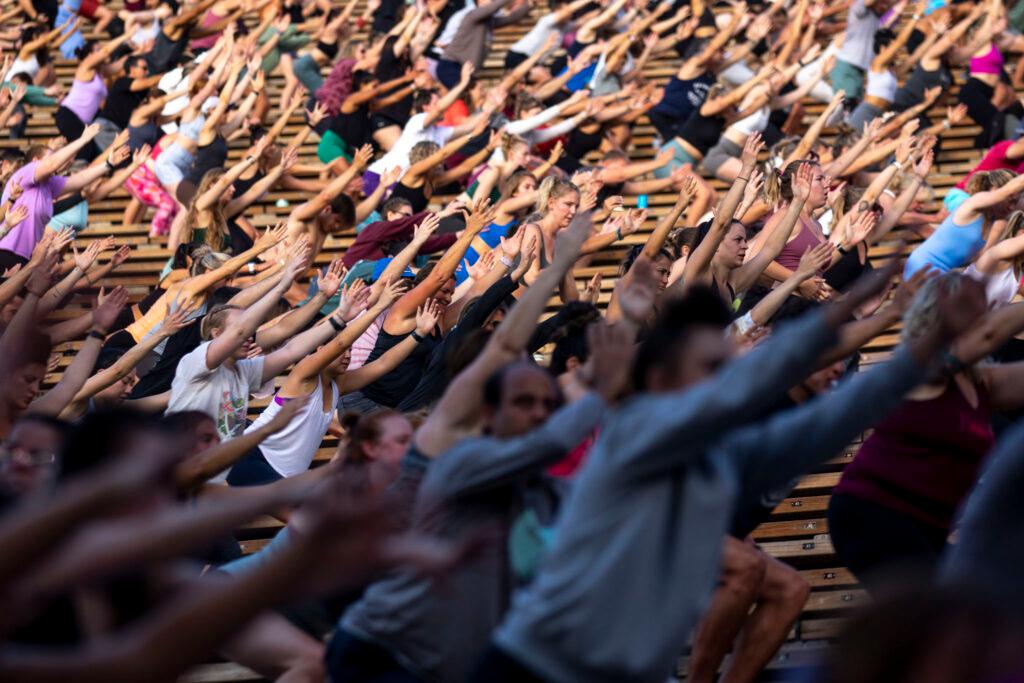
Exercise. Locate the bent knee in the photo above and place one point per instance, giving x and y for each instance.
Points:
(743, 568)
(783, 583)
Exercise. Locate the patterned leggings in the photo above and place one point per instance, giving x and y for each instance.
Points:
(145, 187)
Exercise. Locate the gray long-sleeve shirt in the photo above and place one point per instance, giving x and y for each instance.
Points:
(636, 551)
(989, 550)
(471, 42)
(439, 630)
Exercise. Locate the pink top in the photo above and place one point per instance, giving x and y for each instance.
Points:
(84, 98)
(790, 255)
(206, 42)
(990, 63)
(995, 159)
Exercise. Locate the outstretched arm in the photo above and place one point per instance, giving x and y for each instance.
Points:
(459, 407)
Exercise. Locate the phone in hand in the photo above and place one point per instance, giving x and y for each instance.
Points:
(641, 202)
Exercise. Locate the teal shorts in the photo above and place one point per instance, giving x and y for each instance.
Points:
(849, 79)
(679, 157)
(331, 147)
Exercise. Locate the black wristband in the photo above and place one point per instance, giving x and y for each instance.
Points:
(96, 334)
(416, 337)
(338, 327)
(110, 166)
(841, 250)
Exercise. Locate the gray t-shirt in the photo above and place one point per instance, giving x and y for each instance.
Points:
(221, 393)
(859, 44)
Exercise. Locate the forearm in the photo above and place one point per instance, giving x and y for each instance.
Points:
(57, 294)
(55, 400)
(290, 325)
(792, 443)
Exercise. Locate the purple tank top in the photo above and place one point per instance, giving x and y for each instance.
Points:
(207, 42)
(924, 457)
(790, 255)
(84, 99)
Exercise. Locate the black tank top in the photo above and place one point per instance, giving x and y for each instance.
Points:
(414, 195)
(703, 132)
(207, 158)
(390, 389)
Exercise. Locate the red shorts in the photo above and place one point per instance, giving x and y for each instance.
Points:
(88, 8)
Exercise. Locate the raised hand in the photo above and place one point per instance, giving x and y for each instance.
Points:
(924, 164)
(108, 307)
(352, 300)
(427, 227)
(512, 246)
(289, 158)
(90, 132)
(592, 292)
(427, 317)
(330, 280)
(121, 255)
(390, 176)
(85, 260)
(315, 115)
(481, 215)
(118, 155)
(392, 292)
(298, 259)
(478, 271)
(802, 183)
(140, 155)
(636, 293)
(272, 236)
(752, 148)
(43, 276)
(16, 215)
(16, 190)
(529, 255)
(815, 289)
(956, 115)
(177, 320)
(860, 228)
(362, 156)
(814, 260)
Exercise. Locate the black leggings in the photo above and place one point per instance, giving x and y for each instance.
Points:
(71, 127)
(354, 660)
(873, 540)
(498, 667)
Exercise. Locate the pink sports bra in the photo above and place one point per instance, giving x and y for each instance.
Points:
(990, 63)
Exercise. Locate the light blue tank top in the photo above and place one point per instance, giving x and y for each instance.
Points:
(950, 246)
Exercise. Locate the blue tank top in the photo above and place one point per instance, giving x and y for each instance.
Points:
(491, 235)
(950, 246)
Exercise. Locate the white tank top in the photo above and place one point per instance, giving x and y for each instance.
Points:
(882, 85)
(28, 66)
(292, 449)
(755, 123)
(999, 288)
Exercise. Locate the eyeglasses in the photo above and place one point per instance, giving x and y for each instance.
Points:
(38, 458)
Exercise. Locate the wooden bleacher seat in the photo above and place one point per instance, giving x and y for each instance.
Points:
(797, 531)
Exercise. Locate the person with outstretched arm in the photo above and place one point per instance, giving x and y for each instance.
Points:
(636, 551)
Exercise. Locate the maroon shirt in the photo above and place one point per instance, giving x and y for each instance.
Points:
(369, 240)
(923, 459)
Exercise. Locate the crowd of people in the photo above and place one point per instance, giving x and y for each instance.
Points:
(514, 497)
